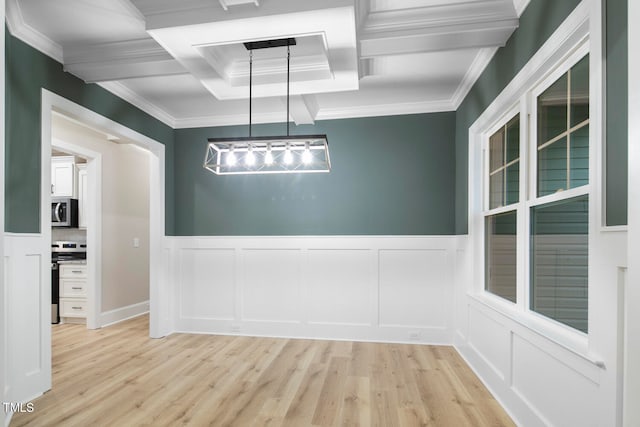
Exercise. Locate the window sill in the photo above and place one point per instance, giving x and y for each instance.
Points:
(567, 338)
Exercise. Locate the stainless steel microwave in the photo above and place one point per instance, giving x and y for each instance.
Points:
(64, 212)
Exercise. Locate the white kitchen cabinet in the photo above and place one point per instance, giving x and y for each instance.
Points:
(73, 292)
(82, 195)
(63, 176)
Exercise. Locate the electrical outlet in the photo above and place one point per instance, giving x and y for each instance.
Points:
(414, 336)
(136, 242)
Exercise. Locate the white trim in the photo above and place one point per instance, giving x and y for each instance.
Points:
(23, 31)
(563, 49)
(385, 271)
(385, 110)
(520, 6)
(574, 29)
(121, 314)
(631, 392)
(123, 92)
(479, 64)
(5, 419)
(94, 225)
(50, 102)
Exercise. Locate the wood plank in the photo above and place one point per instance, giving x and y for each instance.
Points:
(119, 376)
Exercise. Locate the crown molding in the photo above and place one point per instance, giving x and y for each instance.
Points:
(23, 31)
(323, 114)
(378, 110)
(482, 59)
(219, 120)
(520, 6)
(123, 92)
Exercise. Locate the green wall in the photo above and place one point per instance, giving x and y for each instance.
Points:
(538, 22)
(27, 71)
(417, 187)
(390, 176)
(616, 110)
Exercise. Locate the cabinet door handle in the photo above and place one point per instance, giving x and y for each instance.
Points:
(77, 308)
(76, 271)
(73, 287)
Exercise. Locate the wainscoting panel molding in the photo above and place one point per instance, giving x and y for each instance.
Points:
(28, 287)
(396, 289)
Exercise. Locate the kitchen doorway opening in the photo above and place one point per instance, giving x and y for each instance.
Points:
(54, 105)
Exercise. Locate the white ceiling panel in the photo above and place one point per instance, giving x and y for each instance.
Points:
(184, 62)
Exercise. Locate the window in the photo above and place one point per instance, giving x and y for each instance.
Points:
(504, 161)
(563, 132)
(551, 203)
(500, 228)
(500, 265)
(559, 261)
(559, 229)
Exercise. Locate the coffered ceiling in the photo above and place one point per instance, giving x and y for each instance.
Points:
(184, 61)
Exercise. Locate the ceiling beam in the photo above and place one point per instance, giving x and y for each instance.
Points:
(478, 24)
(453, 37)
(121, 60)
(303, 109)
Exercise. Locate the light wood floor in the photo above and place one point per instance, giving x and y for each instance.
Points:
(117, 376)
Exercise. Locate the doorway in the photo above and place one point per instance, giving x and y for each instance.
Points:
(54, 104)
(89, 229)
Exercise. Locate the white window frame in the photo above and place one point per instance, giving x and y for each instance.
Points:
(577, 36)
(533, 199)
(487, 211)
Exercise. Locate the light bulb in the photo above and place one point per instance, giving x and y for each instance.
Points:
(250, 158)
(288, 157)
(306, 155)
(268, 157)
(231, 159)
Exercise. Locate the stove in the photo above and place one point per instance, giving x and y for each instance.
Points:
(63, 251)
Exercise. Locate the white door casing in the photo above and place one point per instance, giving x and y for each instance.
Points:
(631, 391)
(31, 376)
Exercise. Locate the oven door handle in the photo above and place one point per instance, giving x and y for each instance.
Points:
(56, 211)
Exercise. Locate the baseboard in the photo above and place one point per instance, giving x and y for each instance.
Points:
(121, 314)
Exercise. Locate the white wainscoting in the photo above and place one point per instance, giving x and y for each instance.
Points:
(28, 293)
(538, 381)
(395, 289)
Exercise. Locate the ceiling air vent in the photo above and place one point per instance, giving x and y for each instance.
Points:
(226, 3)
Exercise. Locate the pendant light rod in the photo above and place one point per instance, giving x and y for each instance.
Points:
(266, 44)
(250, 87)
(288, 68)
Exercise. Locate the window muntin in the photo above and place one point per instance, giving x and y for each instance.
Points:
(563, 141)
(504, 161)
(559, 261)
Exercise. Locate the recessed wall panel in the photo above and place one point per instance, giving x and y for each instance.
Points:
(571, 400)
(271, 287)
(340, 287)
(207, 283)
(28, 313)
(414, 288)
(490, 339)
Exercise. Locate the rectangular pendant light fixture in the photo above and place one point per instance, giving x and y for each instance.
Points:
(268, 154)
